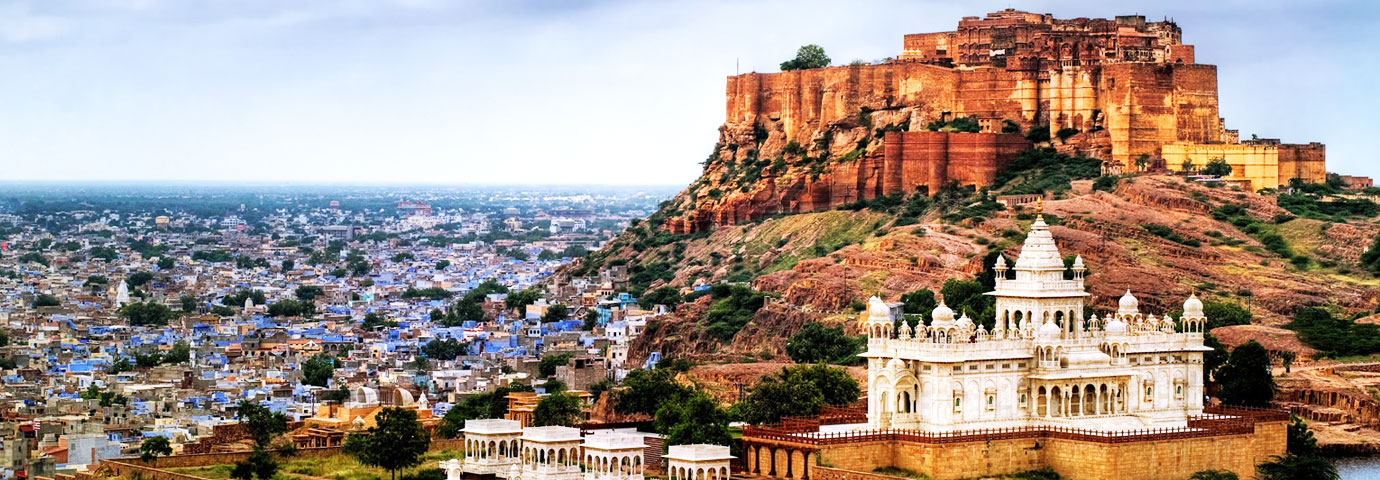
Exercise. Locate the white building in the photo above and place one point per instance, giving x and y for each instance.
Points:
(614, 456)
(491, 447)
(1042, 364)
(550, 453)
(698, 462)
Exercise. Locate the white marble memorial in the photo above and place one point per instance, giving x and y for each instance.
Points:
(1042, 364)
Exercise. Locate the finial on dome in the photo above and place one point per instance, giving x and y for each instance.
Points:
(1040, 206)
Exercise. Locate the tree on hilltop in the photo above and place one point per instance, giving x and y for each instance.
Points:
(809, 56)
(1217, 167)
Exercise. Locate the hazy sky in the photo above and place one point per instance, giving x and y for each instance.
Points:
(627, 92)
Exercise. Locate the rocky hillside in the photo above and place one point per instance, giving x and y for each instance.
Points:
(1161, 237)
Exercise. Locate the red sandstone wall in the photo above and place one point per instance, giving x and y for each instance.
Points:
(806, 100)
(1308, 162)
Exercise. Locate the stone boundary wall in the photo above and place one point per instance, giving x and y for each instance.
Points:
(827, 473)
(1073, 459)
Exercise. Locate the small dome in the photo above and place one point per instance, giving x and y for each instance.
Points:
(1116, 327)
(1049, 330)
(1001, 261)
(1193, 307)
(1078, 262)
(965, 322)
(877, 308)
(1128, 304)
(942, 314)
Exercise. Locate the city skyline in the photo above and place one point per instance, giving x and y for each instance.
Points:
(422, 92)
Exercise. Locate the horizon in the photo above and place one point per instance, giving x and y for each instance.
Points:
(429, 93)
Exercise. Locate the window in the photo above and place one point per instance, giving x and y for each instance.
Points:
(1149, 393)
(991, 402)
(958, 404)
(1023, 400)
(1005, 366)
(1178, 392)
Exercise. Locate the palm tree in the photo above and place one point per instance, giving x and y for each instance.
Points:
(1297, 467)
(1214, 475)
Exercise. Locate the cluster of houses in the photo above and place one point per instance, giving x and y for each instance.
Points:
(90, 367)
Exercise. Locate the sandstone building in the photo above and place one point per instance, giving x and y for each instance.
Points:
(1129, 85)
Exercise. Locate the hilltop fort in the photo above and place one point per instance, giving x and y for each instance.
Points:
(1126, 91)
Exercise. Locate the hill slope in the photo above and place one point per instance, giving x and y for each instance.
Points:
(1159, 236)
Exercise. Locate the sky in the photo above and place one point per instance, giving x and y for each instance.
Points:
(545, 92)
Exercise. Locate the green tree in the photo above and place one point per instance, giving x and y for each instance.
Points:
(1246, 378)
(1218, 167)
(398, 441)
(555, 313)
(591, 320)
(181, 352)
(120, 365)
(1214, 475)
(139, 279)
(187, 302)
(261, 423)
(817, 343)
(146, 313)
(919, 302)
(1297, 467)
(645, 391)
(557, 409)
(1214, 359)
(1187, 165)
(1143, 162)
(800, 390)
(547, 365)
(698, 419)
(46, 300)
(237, 299)
(318, 370)
(1370, 260)
(260, 464)
(492, 404)
(442, 264)
(154, 447)
(308, 293)
(808, 56)
(1300, 439)
(519, 300)
(289, 307)
(166, 263)
(668, 296)
(287, 265)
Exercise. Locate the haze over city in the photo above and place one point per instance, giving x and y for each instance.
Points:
(619, 92)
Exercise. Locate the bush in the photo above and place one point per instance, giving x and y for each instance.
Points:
(1335, 337)
(732, 308)
(1045, 170)
(1065, 133)
(1038, 134)
(817, 343)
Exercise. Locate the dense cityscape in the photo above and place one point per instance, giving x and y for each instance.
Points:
(155, 311)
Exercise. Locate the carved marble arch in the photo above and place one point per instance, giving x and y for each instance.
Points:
(906, 391)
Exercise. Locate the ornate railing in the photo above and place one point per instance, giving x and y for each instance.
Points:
(1215, 421)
